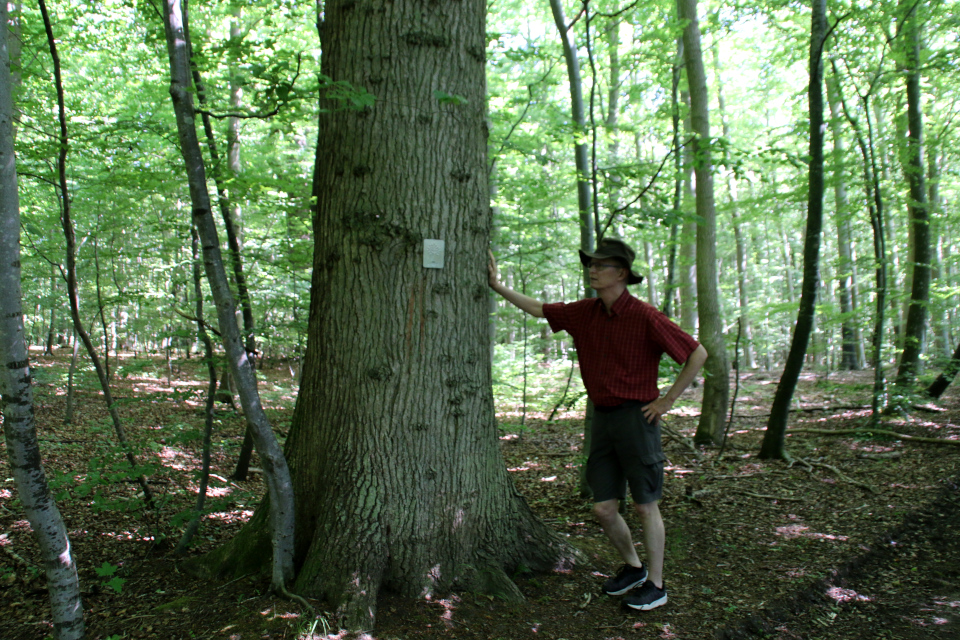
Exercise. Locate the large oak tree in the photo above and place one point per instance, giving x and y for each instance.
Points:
(393, 447)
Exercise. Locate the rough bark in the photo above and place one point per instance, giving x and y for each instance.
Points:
(716, 388)
(919, 218)
(16, 394)
(775, 435)
(274, 464)
(393, 444)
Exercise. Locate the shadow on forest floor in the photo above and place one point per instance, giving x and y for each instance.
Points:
(855, 539)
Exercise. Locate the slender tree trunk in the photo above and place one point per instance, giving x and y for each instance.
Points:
(669, 288)
(716, 387)
(227, 209)
(849, 333)
(68, 414)
(588, 225)
(919, 218)
(745, 328)
(275, 468)
(775, 435)
(16, 394)
(875, 207)
(52, 331)
(194, 525)
(71, 257)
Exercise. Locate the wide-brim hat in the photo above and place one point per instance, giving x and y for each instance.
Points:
(614, 248)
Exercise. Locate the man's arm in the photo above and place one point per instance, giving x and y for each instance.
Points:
(690, 369)
(525, 303)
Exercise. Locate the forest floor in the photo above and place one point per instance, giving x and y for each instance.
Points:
(856, 538)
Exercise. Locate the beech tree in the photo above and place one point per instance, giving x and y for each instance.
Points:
(716, 387)
(775, 435)
(274, 464)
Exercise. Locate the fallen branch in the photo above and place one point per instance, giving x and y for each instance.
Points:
(885, 432)
(890, 455)
(671, 433)
(766, 497)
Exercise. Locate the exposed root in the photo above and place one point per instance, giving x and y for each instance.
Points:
(284, 593)
(884, 432)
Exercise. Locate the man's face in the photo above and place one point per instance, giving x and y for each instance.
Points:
(605, 273)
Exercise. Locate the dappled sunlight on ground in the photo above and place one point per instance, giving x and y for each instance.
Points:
(178, 459)
(231, 516)
(526, 466)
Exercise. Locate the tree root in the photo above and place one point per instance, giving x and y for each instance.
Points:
(843, 476)
(284, 593)
(885, 432)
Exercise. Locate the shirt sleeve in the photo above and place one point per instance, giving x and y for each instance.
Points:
(559, 315)
(674, 341)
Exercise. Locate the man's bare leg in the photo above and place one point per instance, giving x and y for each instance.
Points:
(654, 538)
(608, 513)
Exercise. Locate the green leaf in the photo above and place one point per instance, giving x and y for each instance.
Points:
(446, 98)
(116, 584)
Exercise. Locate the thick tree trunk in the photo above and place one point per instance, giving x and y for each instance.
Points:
(275, 468)
(716, 387)
(394, 448)
(16, 394)
(775, 435)
(938, 386)
(916, 323)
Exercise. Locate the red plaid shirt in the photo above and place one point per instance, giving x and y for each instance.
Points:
(620, 353)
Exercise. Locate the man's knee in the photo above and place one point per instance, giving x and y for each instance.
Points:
(648, 510)
(606, 511)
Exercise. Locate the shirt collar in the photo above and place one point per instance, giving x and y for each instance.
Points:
(619, 305)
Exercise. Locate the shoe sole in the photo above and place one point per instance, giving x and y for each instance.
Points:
(651, 605)
(628, 588)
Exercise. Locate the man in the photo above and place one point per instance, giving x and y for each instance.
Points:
(619, 341)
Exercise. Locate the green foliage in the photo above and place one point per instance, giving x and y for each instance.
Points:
(107, 572)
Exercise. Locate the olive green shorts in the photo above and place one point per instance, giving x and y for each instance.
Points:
(625, 449)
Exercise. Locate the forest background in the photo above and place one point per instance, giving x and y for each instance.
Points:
(260, 65)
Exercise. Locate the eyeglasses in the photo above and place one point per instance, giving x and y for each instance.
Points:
(600, 266)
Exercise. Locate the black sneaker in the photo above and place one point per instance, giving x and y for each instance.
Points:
(646, 597)
(627, 578)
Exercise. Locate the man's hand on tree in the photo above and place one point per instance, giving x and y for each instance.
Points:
(492, 270)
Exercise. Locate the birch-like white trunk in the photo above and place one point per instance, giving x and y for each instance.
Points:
(19, 427)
